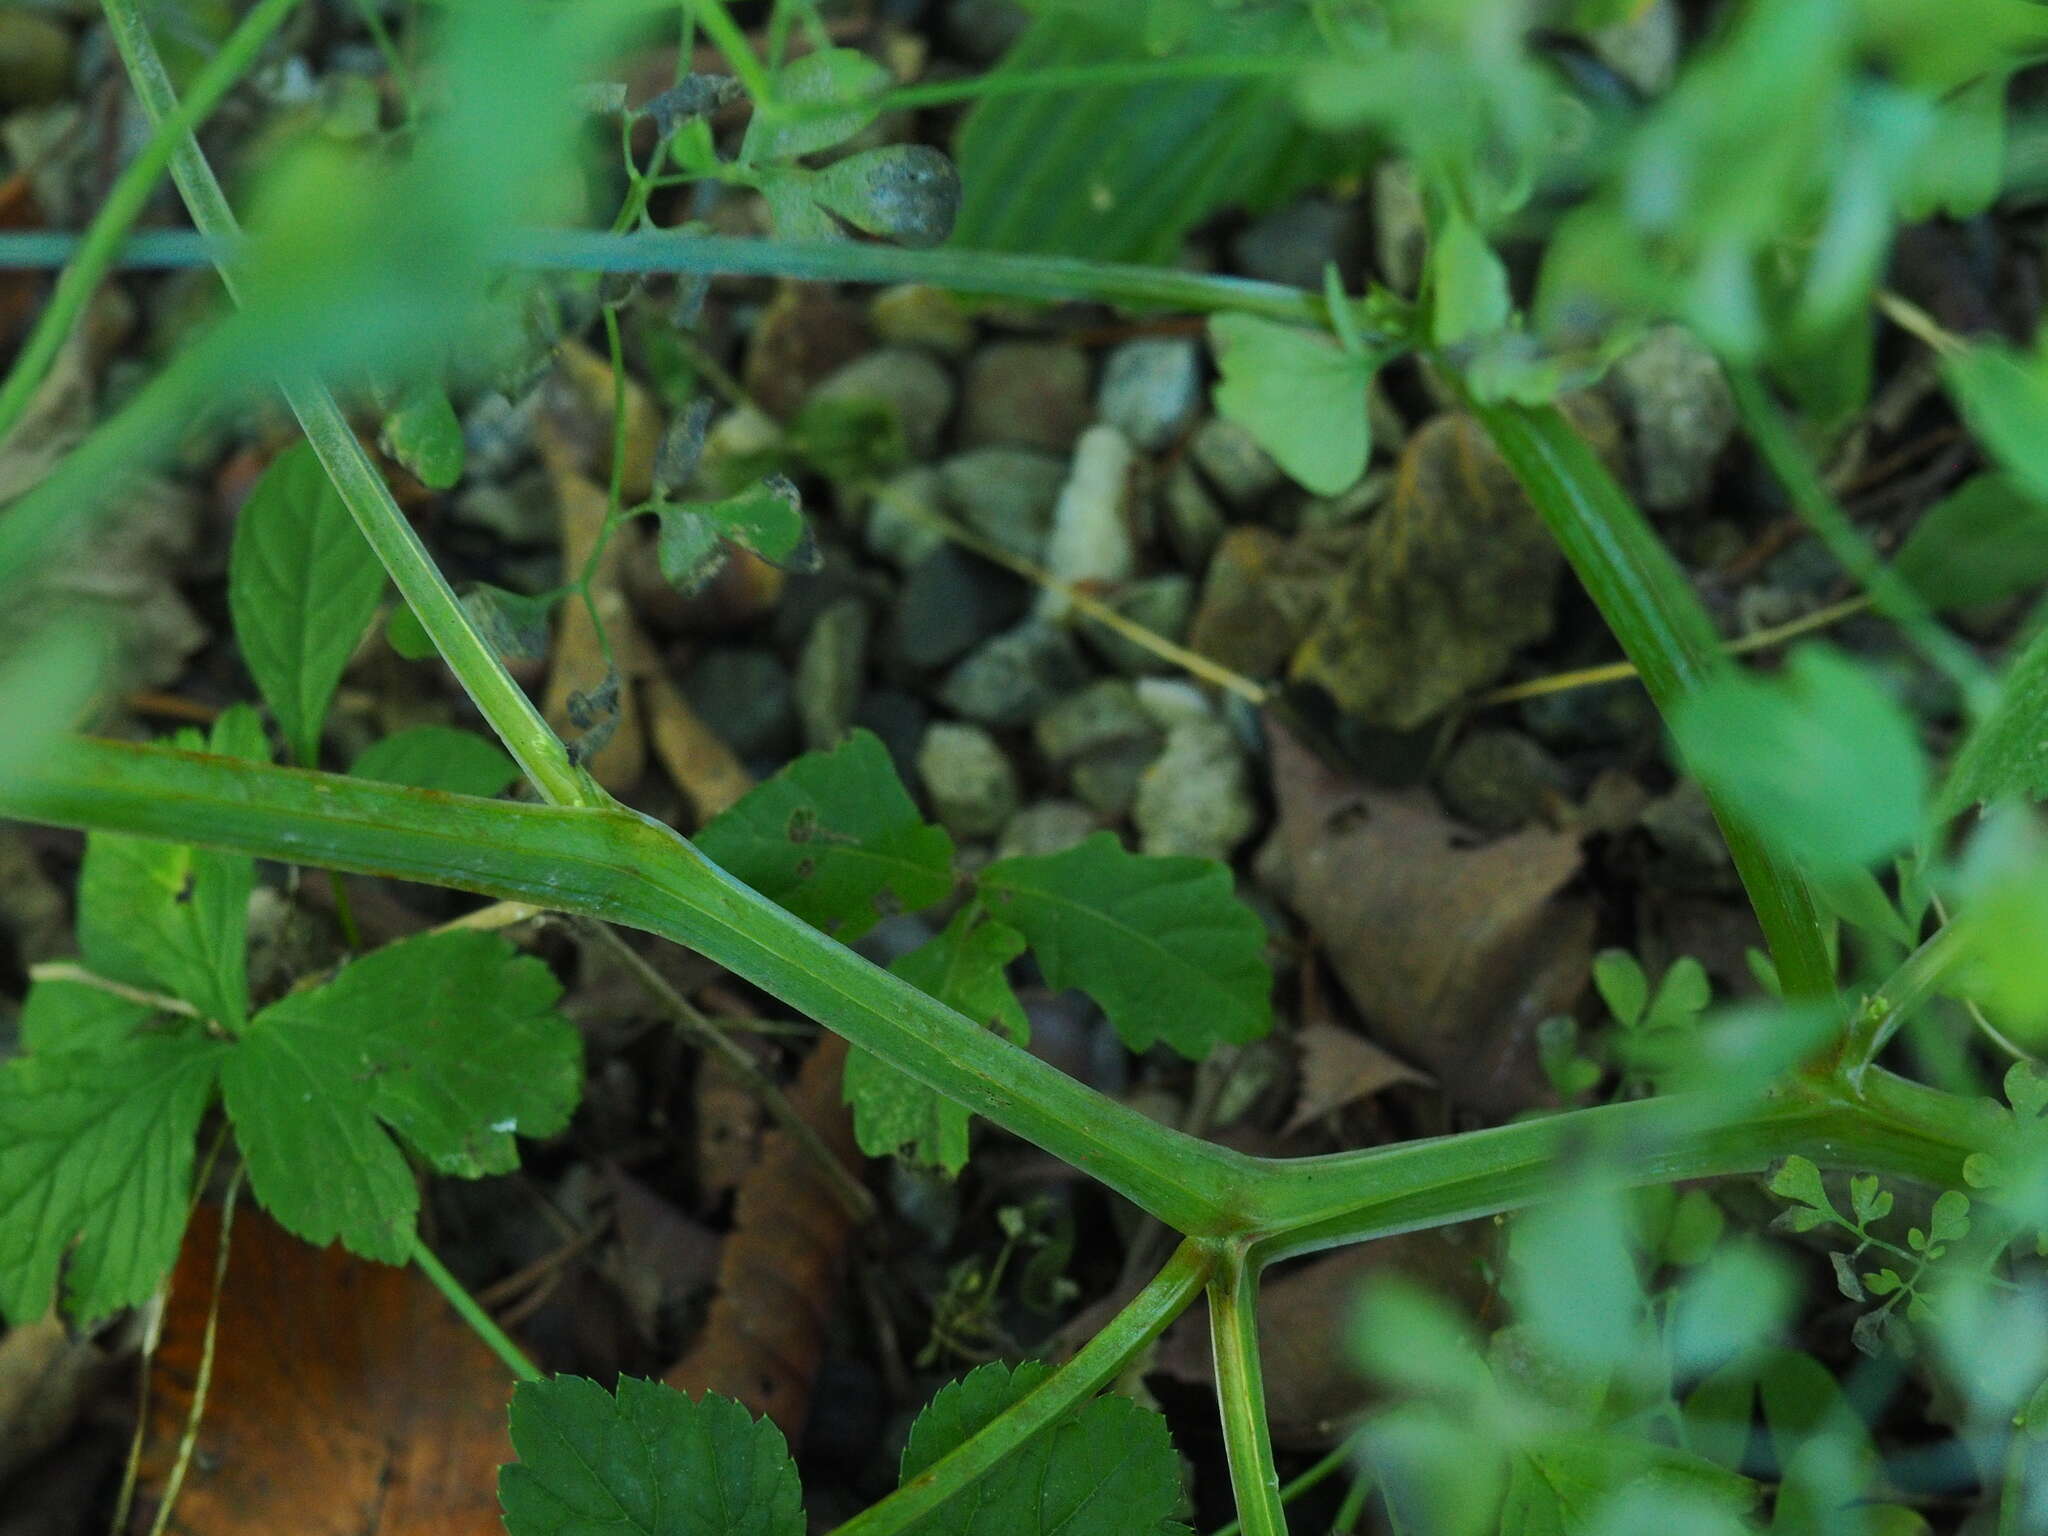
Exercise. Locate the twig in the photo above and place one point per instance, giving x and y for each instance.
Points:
(188, 1442)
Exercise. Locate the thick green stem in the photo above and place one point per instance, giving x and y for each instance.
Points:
(1654, 613)
(1241, 1395)
(511, 714)
(125, 201)
(1098, 1363)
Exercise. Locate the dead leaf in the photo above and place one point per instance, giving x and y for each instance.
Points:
(1313, 1390)
(585, 418)
(347, 1399)
(45, 1378)
(1340, 1067)
(779, 1275)
(702, 765)
(728, 1122)
(664, 1257)
(1452, 948)
(1455, 576)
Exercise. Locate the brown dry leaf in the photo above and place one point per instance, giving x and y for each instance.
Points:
(347, 1399)
(21, 293)
(805, 335)
(1340, 1067)
(1455, 576)
(728, 1121)
(45, 1378)
(664, 1257)
(578, 663)
(702, 765)
(779, 1276)
(1312, 1388)
(1453, 949)
(584, 417)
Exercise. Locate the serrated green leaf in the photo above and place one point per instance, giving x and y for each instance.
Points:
(76, 1016)
(1983, 542)
(1299, 394)
(2003, 395)
(963, 968)
(2007, 752)
(438, 757)
(766, 518)
(1108, 1469)
(649, 1462)
(1820, 759)
(842, 77)
(835, 838)
(450, 1039)
(424, 435)
(96, 1155)
(303, 585)
(1162, 944)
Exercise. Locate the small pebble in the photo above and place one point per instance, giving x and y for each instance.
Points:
(1050, 826)
(830, 671)
(1195, 799)
(1007, 495)
(1150, 389)
(917, 390)
(971, 783)
(1090, 545)
(1011, 679)
(1032, 394)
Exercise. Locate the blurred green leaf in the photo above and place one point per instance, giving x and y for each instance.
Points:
(843, 77)
(423, 434)
(1985, 541)
(1299, 394)
(1622, 985)
(438, 757)
(836, 839)
(908, 193)
(303, 585)
(1469, 294)
(2004, 754)
(963, 968)
(2003, 394)
(646, 1462)
(1820, 758)
(1162, 944)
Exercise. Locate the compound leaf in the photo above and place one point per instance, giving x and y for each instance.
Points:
(303, 585)
(96, 1153)
(1299, 394)
(438, 757)
(450, 1039)
(648, 1462)
(76, 1016)
(766, 518)
(835, 838)
(1107, 1469)
(1163, 944)
(963, 968)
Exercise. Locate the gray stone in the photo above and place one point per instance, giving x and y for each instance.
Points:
(1050, 826)
(1242, 472)
(1150, 388)
(1103, 713)
(1195, 798)
(1498, 779)
(971, 784)
(1161, 604)
(1107, 779)
(1090, 545)
(898, 719)
(1194, 522)
(915, 386)
(952, 602)
(745, 694)
(1033, 394)
(1292, 244)
(1011, 679)
(829, 672)
(895, 531)
(1006, 495)
(1680, 413)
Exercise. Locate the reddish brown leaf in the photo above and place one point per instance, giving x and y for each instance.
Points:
(779, 1275)
(1339, 1067)
(347, 1399)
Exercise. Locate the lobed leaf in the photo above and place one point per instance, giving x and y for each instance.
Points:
(1299, 394)
(96, 1156)
(647, 1461)
(1162, 944)
(834, 838)
(303, 585)
(963, 968)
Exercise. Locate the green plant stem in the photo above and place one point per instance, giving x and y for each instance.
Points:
(1241, 1394)
(1097, 1364)
(1294, 1488)
(481, 1323)
(511, 714)
(1664, 631)
(726, 35)
(1917, 978)
(1890, 593)
(125, 201)
(1070, 77)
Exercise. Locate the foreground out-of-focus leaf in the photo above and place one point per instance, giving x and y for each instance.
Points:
(1983, 542)
(836, 839)
(646, 1462)
(302, 587)
(1162, 944)
(2003, 394)
(2007, 752)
